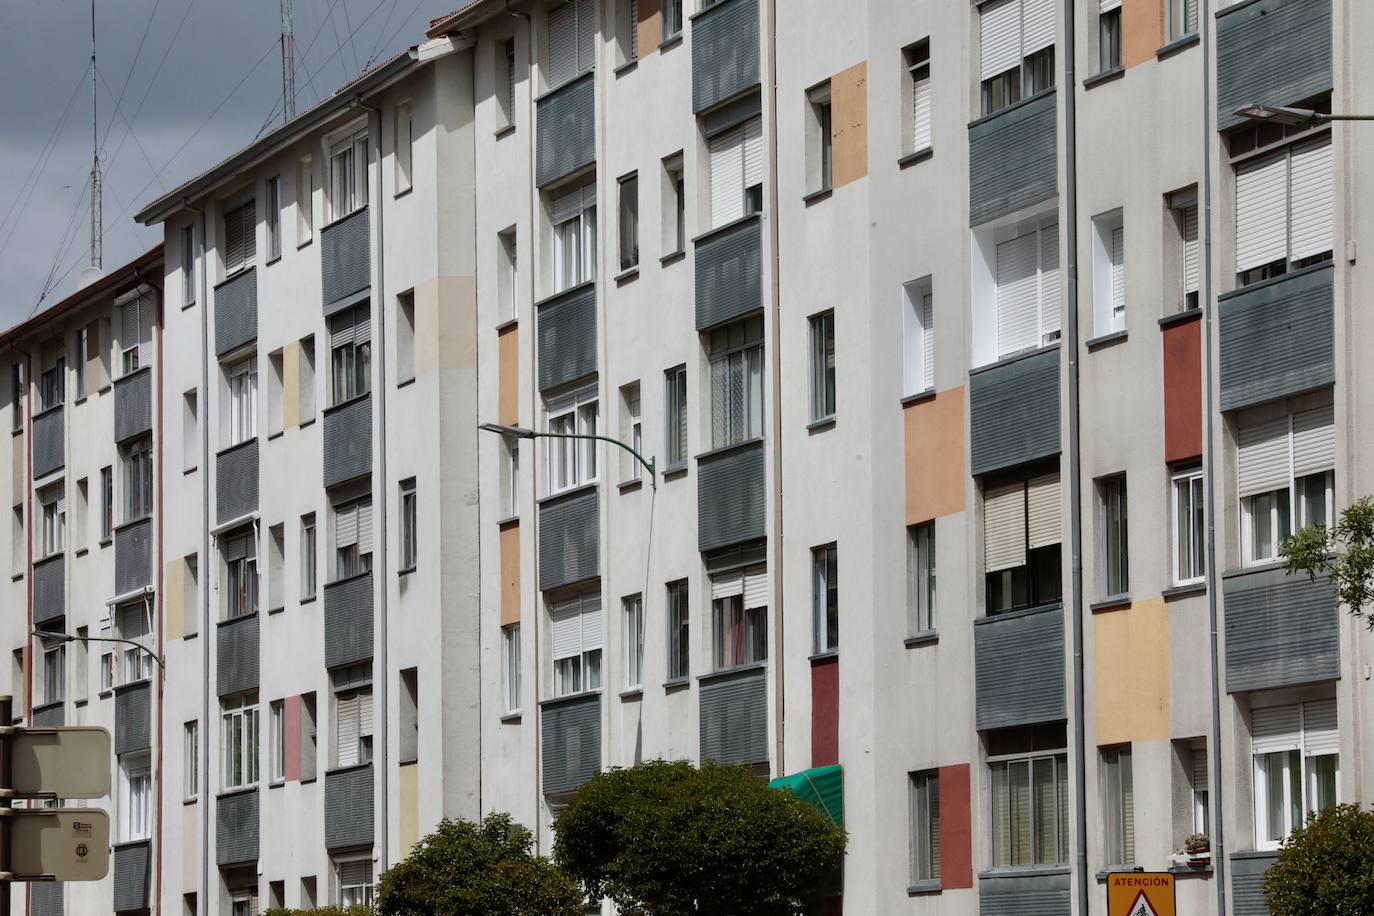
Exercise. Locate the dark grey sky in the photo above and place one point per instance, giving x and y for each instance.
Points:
(210, 48)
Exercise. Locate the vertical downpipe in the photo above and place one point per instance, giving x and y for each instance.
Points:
(775, 312)
(1215, 783)
(1080, 870)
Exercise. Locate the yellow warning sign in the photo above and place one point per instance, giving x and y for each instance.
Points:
(1136, 893)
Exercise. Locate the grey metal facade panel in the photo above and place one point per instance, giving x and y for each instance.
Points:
(348, 440)
(1013, 159)
(348, 807)
(236, 827)
(133, 405)
(725, 52)
(729, 272)
(131, 876)
(45, 898)
(237, 644)
(236, 311)
(348, 621)
(49, 716)
(133, 556)
(1274, 52)
(1278, 337)
(1019, 668)
(566, 123)
(50, 588)
(567, 337)
(345, 258)
(1024, 895)
(1014, 412)
(1247, 882)
(732, 498)
(733, 711)
(133, 717)
(236, 481)
(569, 539)
(1281, 630)
(48, 442)
(571, 742)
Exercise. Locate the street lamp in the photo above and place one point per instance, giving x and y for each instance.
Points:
(520, 432)
(67, 637)
(1279, 114)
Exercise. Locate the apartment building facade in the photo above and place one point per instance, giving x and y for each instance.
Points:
(1033, 374)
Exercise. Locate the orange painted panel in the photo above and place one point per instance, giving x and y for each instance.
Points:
(1183, 390)
(935, 470)
(1142, 30)
(849, 124)
(510, 573)
(508, 405)
(650, 27)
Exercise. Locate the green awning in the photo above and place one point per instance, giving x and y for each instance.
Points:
(822, 787)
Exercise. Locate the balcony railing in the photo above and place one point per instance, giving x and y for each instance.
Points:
(236, 481)
(133, 404)
(1274, 52)
(133, 556)
(50, 589)
(567, 336)
(49, 449)
(131, 865)
(133, 717)
(734, 716)
(348, 807)
(569, 538)
(237, 647)
(348, 440)
(729, 272)
(236, 827)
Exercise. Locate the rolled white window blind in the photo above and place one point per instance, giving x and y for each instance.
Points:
(1004, 527)
(928, 341)
(727, 176)
(753, 153)
(1313, 201)
(1038, 21)
(1314, 441)
(1319, 733)
(920, 111)
(727, 586)
(1044, 524)
(1050, 299)
(1118, 269)
(1262, 213)
(1000, 37)
(566, 629)
(591, 623)
(1191, 272)
(1262, 457)
(1017, 294)
(1275, 728)
(755, 588)
(1107, 6)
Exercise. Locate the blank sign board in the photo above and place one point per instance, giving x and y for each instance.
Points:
(66, 844)
(71, 762)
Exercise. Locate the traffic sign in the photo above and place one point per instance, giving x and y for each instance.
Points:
(1140, 893)
(62, 844)
(66, 762)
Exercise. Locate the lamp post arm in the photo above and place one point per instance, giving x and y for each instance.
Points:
(67, 637)
(1348, 117)
(647, 462)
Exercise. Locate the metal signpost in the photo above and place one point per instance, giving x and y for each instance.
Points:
(51, 844)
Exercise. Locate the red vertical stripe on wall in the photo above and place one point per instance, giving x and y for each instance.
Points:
(291, 737)
(1183, 390)
(825, 712)
(956, 836)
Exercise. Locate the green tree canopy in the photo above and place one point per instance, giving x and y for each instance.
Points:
(1326, 866)
(671, 840)
(486, 869)
(1345, 553)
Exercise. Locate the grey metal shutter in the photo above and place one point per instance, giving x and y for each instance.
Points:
(1314, 441)
(1044, 523)
(586, 35)
(1017, 294)
(1313, 201)
(1262, 457)
(562, 43)
(1261, 213)
(999, 30)
(1004, 527)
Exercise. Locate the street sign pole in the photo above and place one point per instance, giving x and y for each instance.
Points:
(6, 723)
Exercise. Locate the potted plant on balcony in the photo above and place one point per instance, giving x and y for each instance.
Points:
(1199, 849)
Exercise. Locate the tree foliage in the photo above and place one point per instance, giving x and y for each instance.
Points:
(671, 840)
(1345, 553)
(335, 910)
(481, 869)
(1325, 867)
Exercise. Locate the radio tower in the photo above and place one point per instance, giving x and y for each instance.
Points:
(96, 245)
(288, 63)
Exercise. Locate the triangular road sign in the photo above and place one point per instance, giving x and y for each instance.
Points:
(1141, 906)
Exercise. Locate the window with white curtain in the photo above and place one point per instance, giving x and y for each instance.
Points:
(739, 617)
(1027, 290)
(924, 790)
(572, 461)
(1109, 274)
(1022, 543)
(1297, 766)
(576, 645)
(239, 741)
(1285, 478)
(355, 883)
(736, 169)
(1016, 50)
(916, 58)
(1029, 779)
(736, 353)
(574, 236)
(571, 40)
(918, 336)
(1285, 211)
(352, 537)
(1198, 782)
(1118, 792)
(352, 715)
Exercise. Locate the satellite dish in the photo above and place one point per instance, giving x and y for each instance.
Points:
(88, 276)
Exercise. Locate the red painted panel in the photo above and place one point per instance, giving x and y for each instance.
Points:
(1183, 390)
(825, 712)
(956, 834)
(291, 737)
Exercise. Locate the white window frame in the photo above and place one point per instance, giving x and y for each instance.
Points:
(240, 575)
(136, 479)
(1305, 779)
(403, 138)
(1320, 146)
(188, 266)
(353, 685)
(916, 60)
(350, 559)
(53, 535)
(54, 672)
(1283, 521)
(574, 237)
(1058, 760)
(1047, 321)
(354, 894)
(820, 149)
(242, 381)
(572, 463)
(633, 614)
(305, 201)
(277, 723)
(825, 586)
(1177, 19)
(135, 797)
(309, 557)
(679, 615)
(136, 664)
(580, 670)
(272, 218)
(676, 432)
(190, 760)
(1118, 805)
(410, 545)
(631, 431)
(239, 741)
(627, 221)
(510, 668)
(1187, 488)
(1114, 514)
(740, 361)
(348, 165)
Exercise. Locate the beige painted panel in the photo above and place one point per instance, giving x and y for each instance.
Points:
(290, 386)
(409, 815)
(650, 27)
(445, 318)
(95, 376)
(1142, 30)
(510, 573)
(508, 348)
(849, 124)
(174, 598)
(1131, 672)
(935, 456)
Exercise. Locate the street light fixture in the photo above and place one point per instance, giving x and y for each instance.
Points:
(1279, 114)
(67, 637)
(520, 432)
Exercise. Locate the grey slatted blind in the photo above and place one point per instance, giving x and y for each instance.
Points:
(1199, 769)
(586, 35)
(563, 38)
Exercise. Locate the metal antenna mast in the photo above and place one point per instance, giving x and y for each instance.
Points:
(96, 242)
(288, 63)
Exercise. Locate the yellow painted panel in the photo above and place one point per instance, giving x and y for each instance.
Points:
(849, 124)
(1132, 672)
(290, 385)
(445, 319)
(174, 592)
(409, 815)
(510, 574)
(935, 472)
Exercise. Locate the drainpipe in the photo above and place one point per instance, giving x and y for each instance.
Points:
(1080, 871)
(379, 499)
(1216, 783)
(775, 319)
(203, 407)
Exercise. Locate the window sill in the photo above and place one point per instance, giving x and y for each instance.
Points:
(405, 571)
(923, 638)
(1178, 44)
(671, 41)
(1106, 604)
(629, 486)
(82, 702)
(626, 275)
(308, 600)
(276, 435)
(190, 635)
(1106, 76)
(817, 196)
(919, 397)
(270, 261)
(676, 471)
(403, 192)
(634, 693)
(16, 577)
(1105, 340)
(307, 422)
(569, 492)
(1184, 871)
(511, 718)
(189, 801)
(277, 784)
(920, 155)
(307, 780)
(1169, 321)
(1183, 591)
(510, 521)
(827, 656)
(82, 551)
(505, 131)
(192, 303)
(299, 245)
(275, 610)
(405, 383)
(1102, 875)
(673, 257)
(105, 694)
(924, 888)
(629, 66)
(821, 425)
(106, 542)
(188, 471)
(81, 400)
(506, 323)
(677, 683)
